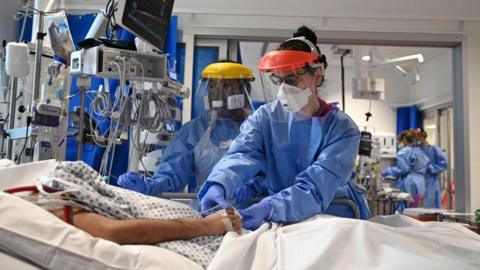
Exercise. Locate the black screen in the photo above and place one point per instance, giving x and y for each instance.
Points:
(148, 19)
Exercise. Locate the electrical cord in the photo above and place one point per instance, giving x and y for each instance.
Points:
(110, 15)
(29, 121)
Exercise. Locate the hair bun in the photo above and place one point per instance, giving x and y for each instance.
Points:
(306, 32)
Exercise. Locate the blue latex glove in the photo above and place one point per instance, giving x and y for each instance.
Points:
(254, 216)
(387, 172)
(244, 194)
(214, 196)
(132, 181)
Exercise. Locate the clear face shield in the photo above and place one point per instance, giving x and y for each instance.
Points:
(291, 78)
(227, 102)
(225, 98)
(292, 87)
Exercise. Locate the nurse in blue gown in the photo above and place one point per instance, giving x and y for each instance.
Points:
(305, 147)
(223, 98)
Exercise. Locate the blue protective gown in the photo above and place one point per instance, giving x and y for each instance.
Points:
(177, 168)
(307, 162)
(437, 164)
(410, 172)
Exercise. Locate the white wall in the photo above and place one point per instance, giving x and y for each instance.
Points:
(8, 26)
(435, 85)
(471, 81)
(383, 119)
(379, 9)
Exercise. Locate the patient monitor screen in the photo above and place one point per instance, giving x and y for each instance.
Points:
(148, 19)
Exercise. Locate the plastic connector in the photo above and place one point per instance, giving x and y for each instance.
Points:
(29, 120)
(83, 83)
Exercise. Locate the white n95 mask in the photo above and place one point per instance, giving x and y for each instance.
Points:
(293, 98)
(235, 102)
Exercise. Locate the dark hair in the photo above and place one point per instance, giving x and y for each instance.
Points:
(226, 61)
(299, 45)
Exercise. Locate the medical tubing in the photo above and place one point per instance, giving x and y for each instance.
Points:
(205, 212)
(117, 127)
(101, 104)
(151, 103)
(29, 120)
(92, 131)
(120, 100)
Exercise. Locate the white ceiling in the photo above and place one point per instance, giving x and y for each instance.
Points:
(253, 51)
(388, 52)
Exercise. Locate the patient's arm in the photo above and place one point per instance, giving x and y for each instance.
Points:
(152, 231)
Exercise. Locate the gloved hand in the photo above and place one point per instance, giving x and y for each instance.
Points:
(132, 181)
(432, 169)
(387, 172)
(254, 216)
(244, 194)
(214, 196)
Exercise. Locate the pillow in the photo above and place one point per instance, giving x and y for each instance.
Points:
(31, 232)
(24, 174)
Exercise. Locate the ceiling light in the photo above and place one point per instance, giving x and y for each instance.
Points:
(366, 58)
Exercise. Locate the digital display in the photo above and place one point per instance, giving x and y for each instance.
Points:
(148, 19)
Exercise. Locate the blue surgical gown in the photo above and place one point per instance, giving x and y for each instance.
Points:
(307, 162)
(437, 164)
(177, 167)
(410, 172)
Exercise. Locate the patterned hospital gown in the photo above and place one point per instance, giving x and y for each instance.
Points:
(117, 203)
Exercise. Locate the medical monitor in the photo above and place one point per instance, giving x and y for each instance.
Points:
(147, 19)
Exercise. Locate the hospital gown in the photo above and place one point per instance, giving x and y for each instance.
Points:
(95, 195)
(437, 164)
(410, 172)
(177, 168)
(307, 161)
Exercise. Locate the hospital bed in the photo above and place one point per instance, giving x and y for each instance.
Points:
(39, 240)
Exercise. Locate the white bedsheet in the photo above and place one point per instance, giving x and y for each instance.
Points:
(24, 174)
(337, 243)
(11, 262)
(28, 231)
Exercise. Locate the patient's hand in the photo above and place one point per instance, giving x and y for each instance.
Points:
(219, 222)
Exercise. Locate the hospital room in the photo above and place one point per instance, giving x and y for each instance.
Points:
(207, 134)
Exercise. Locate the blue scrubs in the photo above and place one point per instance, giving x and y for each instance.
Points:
(410, 172)
(438, 163)
(177, 168)
(307, 161)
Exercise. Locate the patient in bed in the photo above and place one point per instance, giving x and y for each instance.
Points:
(153, 231)
(128, 217)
